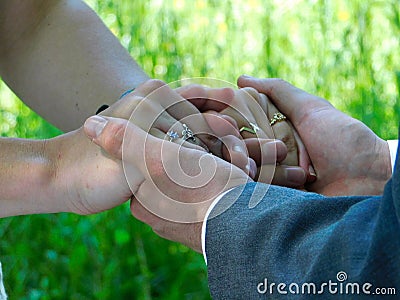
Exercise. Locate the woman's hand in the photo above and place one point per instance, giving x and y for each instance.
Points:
(162, 112)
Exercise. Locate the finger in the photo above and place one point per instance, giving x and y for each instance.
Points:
(205, 98)
(289, 176)
(266, 151)
(304, 159)
(173, 107)
(257, 105)
(113, 135)
(148, 87)
(248, 114)
(129, 103)
(290, 100)
(283, 131)
(221, 125)
(197, 145)
(108, 135)
(235, 151)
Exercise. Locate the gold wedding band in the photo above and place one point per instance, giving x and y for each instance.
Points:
(278, 117)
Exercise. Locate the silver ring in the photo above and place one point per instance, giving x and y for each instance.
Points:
(254, 126)
(187, 134)
(172, 135)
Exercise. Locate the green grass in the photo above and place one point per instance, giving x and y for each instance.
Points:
(345, 51)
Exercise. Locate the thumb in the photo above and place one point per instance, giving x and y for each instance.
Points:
(114, 135)
(141, 152)
(290, 100)
(106, 132)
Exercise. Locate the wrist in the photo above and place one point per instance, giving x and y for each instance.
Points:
(381, 168)
(385, 157)
(68, 154)
(87, 181)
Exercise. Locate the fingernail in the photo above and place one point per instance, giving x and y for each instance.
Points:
(94, 126)
(247, 76)
(275, 148)
(296, 176)
(237, 149)
(312, 176)
(312, 171)
(269, 145)
(252, 167)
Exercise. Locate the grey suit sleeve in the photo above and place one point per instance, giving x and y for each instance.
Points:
(297, 237)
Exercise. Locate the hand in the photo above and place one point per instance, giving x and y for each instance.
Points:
(245, 107)
(348, 157)
(173, 186)
(90, 181)
(87, 180)
(159, 110)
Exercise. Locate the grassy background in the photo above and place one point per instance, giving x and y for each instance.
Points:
(345, 51)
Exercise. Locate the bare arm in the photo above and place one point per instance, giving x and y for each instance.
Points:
(24, 179)
(64, 174)
(61, 59)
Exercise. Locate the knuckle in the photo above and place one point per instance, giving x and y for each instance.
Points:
(113, 138)
(154, 83)
(149, 86)
(250, 90)
(281, 83)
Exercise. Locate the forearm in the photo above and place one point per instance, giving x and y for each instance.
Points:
(27, 174)
(65, 63)
(67, 173)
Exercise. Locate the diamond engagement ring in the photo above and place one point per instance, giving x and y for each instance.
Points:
(277, 117)
(172, 135)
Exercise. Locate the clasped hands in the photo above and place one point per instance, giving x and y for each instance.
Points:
(175, 208)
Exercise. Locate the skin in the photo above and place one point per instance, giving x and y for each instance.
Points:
(61, 60)
(65, 79)
(150, 182)
(71, 174)
(345, 165)
(348, 157)
(248, 105)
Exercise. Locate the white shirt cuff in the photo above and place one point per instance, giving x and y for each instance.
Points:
(3, 295)
(203, 229)
(393, 144)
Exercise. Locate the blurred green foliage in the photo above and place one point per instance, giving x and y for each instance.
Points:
(345, 51)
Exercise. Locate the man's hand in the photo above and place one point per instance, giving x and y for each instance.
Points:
(173, 186)
(348, 157)
(245, 108)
